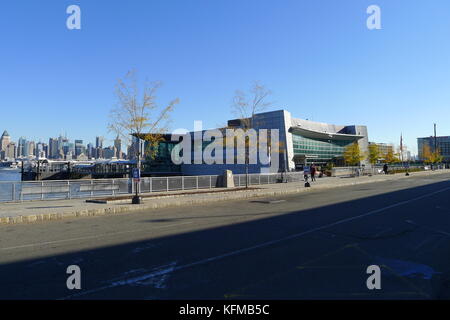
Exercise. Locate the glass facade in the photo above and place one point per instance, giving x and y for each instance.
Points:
(443, 145)
(319, 150)
(162, 161)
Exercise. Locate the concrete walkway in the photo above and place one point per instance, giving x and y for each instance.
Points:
(32, 211)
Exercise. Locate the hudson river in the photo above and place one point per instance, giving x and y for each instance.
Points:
(9, 175)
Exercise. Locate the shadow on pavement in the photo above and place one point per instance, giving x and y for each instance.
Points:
(317, 253)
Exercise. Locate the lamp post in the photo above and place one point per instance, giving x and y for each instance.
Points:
(247, 155)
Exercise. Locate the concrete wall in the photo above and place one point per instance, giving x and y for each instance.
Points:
(363, 143)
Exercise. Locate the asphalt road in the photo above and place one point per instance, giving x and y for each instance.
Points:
(314, 245)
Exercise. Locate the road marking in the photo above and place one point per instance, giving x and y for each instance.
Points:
(428, 228)
(265, 244)
(91, 237)
(382, 232)
(422, 243)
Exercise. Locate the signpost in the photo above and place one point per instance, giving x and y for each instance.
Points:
(136, 174)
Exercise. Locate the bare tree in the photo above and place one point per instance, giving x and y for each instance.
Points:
(245, 106)
(137, 114)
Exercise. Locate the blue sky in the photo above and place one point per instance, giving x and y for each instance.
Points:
(317, 56)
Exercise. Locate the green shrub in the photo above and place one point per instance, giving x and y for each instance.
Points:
(403, 170)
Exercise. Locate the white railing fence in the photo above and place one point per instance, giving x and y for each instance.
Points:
(76, 189)
(12, 191)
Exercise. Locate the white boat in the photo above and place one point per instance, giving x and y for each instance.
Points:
(8, 168)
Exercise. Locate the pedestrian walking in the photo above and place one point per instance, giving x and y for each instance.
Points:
(385, 168)
(313, 173)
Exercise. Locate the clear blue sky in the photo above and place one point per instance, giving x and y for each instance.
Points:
(318, 58)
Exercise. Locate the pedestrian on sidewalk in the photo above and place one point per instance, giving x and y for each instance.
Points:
(313, 173)
(385, 168)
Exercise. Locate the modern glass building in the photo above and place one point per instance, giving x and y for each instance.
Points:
(308, 142)
(308, 150)
(302, 142)
(157, 160)
(442, 144)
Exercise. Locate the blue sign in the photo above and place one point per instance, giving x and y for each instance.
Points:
(307, 170)
(136, 173)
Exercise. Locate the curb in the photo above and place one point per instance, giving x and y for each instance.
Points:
(184, 200)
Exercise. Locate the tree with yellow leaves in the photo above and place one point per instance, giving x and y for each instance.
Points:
(431, 157)
(391, 157)
(137, 114)
(353, 155)
(374, 153)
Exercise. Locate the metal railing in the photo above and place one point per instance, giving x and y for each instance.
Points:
(76, 189)
(378, 169)
(267, 178)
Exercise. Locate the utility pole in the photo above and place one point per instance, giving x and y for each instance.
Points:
(435, 138)
(247, 150)
(406, 165)
(435, 146)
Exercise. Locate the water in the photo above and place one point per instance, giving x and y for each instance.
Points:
(6, 188)
(9, 175)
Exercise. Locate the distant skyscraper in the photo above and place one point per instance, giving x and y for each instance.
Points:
(40, 150)
(99, 142)
(118, 146)
(109, 153)
(53, 148)
(90, 152)
(99, 153)
(69, 148)
(79, 148)
(21, 147)
(5, 140)
(30, 147)
(99, 148)
(11, 151)
(45, 149)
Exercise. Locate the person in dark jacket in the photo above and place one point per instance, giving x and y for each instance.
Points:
(385, 168)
